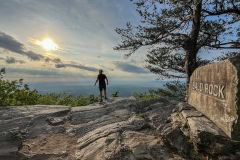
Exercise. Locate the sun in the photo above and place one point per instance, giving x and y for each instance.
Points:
(48, 45)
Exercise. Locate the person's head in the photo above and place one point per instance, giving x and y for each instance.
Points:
(100, 71)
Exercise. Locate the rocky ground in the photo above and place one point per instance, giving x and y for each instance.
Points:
(121, 129)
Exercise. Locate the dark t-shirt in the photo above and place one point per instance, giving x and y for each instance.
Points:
(101, 78)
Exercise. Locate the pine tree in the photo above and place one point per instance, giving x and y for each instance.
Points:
(176, 32)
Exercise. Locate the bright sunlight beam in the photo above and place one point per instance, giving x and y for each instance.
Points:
(48, 45)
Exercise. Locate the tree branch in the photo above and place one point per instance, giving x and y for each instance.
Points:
(217, 13)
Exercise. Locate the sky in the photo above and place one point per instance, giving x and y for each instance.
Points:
(67, 40)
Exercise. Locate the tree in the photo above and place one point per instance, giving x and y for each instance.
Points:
(176, 32)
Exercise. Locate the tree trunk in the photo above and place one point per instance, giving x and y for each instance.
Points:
(191, 48)
(190, 64)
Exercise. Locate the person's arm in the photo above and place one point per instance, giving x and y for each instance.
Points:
(96, 82)
(107, 80)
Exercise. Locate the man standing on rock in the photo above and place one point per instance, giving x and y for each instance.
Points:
(102, 85)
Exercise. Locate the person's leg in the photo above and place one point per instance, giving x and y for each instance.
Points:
(101, 95)
(100, 90)
(105, 93)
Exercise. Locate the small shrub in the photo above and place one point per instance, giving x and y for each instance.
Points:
(115, 94)
(172, 90)
(146, 96)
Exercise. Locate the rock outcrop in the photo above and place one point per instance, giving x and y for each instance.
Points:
(195, 136)
(214, 90)
(121, 129)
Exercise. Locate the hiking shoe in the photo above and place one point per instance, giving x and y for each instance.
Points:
(106, 98)
(101, 100)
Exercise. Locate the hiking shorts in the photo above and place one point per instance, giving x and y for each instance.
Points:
(101, 87)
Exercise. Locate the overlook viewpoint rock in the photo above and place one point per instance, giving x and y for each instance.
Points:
(214, 90)
(121, 129)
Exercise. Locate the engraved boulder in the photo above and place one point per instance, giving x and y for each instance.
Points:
(214, 90)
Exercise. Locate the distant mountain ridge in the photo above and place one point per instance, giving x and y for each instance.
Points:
(86, 88)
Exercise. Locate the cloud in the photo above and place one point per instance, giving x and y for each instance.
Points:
(129, 67)
(44, 73)
(11, 44)
(80, 66)
(33, 72)
(107, 68)
(12, 60)
(77, 66)
(55, 60)
(60, 65)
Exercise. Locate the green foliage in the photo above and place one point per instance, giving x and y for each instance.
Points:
(115, 94)
(15, 93)
(49, 98)
(66, 99)
(25, 96)
(82, 101)
(144, 96)
(172, 90)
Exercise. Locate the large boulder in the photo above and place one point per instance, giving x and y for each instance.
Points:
(194, 135)
(214, 90)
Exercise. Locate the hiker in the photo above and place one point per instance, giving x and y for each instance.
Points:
(102, 85)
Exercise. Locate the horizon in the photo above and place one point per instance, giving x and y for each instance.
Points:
(74, 89)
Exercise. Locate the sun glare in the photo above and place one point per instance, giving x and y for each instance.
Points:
(48, 45)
